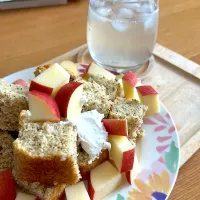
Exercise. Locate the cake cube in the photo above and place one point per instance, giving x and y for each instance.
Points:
(6, 150)
(41, 191)
(49, 147)
(96, 98)
(83, 161)
(13, 99)
(112, 86)
(131, 110)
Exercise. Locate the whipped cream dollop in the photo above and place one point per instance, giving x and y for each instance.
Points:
(92, 134)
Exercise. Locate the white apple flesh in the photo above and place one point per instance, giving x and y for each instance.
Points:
(130, 81)
(150, 98)
(54, 77)
(70, 67)
(131, 175)
(122, 152)
(23, 196)
(77, 192)
(43, 107)
(104, 179)
(95, 70)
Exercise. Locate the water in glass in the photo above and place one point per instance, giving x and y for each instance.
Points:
(120, 33)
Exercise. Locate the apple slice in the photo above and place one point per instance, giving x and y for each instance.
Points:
(20, 82)
(103, 180)
(23, 196)
(122, 152)
(130, 81)
(116, 126)
(7, 185)
(77, 192)
(95, 70)
(131, 175)
(70, 67)
(69, 101)
(43, 107)
(149, 97)
(51, 79)
(42, 88)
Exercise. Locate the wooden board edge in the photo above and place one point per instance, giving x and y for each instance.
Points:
(177, 60)
(189, 148)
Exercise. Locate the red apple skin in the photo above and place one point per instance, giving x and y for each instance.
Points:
(128, 177)
(115, 126)
(85, 177)
(49, 100)
(131, 78)
(7, 185)
(128, 160)
(63, 96)
(85, 75)
(20, 82)
(145, 90)
(41, 88)
(90, 189)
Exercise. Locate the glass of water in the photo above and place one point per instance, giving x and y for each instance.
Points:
(121, 34)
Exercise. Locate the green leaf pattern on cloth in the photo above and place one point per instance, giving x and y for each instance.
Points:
(172, 157)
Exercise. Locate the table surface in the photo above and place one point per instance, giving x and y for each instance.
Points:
(32, 36)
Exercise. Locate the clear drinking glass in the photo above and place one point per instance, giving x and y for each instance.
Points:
(121, 34)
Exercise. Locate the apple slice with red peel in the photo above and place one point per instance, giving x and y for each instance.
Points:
(41, 88)
(7, 185)
(77, 192)
(51, 79)
(20, 82)
(131, 175)
(43, 107)
(150, 98)
(122, 152)
(68, 99)
(70, 67)
(95, 70)
(116, 126)
(104, 179)
(23, 196)
(130, 81)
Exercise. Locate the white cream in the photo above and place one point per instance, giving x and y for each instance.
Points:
(92, 134)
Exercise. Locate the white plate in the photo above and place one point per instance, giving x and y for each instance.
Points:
(159, 153)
